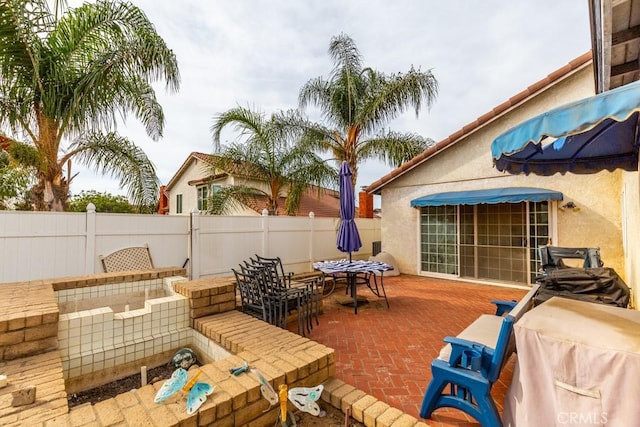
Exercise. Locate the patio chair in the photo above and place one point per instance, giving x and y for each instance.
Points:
(253, 300)
(279, 301)
(128, 259)
(310, 288)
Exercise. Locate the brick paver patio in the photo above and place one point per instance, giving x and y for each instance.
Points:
(387, 353)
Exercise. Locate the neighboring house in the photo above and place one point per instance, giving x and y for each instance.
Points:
(194, 182)
(482, 240)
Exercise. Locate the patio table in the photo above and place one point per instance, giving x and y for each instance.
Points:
(352, 269)
(578, 363)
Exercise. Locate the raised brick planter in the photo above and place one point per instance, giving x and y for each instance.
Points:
(208, 296)
(280, 355)
(28, 319)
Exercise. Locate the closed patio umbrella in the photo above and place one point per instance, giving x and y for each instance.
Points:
(348, 236)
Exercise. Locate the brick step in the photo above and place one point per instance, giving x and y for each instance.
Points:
(43, 371)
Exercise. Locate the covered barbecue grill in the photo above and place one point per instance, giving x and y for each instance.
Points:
(592, 282)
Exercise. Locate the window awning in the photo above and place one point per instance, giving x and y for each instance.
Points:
(492, 196)
(597, 133)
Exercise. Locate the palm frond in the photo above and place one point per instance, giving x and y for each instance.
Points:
(388, 96)
(315, 92)
(307, 134)
(96, 28)
(248, 123)
(21, 52)
(122, 159)
(345, 56)
(238, 159)
(107, 54)
(394, 148)
(232, 198)
(358, 102)
(302, 165)
(294, 196)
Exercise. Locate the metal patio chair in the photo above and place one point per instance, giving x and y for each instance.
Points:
(255, 302)
(310, 288)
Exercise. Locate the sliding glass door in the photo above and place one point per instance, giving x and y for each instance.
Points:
(495, 242)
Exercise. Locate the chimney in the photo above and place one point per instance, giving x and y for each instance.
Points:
(365, 205)
(163, 203)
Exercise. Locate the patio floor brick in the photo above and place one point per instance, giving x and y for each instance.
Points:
(387, 353)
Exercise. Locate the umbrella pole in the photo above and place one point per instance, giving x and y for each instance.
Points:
(351, 277)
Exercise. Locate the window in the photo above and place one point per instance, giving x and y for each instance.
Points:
(215, 188)
(491, 242)
(203, 195)
(179, 203)
(439, 239)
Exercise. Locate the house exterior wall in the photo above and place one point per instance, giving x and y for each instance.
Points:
(195, 170)
(467, 165)
(631, 221)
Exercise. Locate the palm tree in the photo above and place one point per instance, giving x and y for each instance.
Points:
(65, 80)
(266, 156)
(357, 103)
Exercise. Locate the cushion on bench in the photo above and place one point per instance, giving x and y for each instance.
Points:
(484, 330)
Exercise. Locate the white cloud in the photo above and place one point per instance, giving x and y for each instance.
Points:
(259, 53)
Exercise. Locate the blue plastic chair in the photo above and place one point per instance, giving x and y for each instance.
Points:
(473, 368)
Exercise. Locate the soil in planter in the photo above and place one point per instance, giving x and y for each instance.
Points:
(333, 417)
(120, 386)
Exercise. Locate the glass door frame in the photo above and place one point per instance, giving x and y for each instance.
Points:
(553, 238)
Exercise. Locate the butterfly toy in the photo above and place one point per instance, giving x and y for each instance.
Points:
(197, 391)
(305, 398)
(265, 388)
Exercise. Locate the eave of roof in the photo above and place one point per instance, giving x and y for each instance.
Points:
(193, 156)
(207, 179)
(497, 112)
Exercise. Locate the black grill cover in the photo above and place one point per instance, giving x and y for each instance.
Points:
(599, 285)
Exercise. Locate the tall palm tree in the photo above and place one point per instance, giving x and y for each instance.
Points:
(357, 103)
(266, 155)
(65, 80)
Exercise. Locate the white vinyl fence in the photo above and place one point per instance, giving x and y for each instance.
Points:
(41, 245)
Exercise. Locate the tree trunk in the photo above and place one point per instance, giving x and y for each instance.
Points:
(52, 190)
(48, 195)
(351, 152)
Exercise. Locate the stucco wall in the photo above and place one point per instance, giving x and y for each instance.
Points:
(631, 185)
(196, 170)
(467, 165)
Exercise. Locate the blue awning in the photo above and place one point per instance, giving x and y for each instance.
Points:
(586, 136)
(492, 196)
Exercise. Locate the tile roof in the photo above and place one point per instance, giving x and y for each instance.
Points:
(327, 204)
(495, 113)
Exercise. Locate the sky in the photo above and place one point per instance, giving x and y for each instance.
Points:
(259, 53)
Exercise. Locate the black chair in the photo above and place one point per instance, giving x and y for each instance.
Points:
(251, 298)
(310, 288)
(280, 300)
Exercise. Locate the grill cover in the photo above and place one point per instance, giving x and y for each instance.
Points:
(598, 285)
